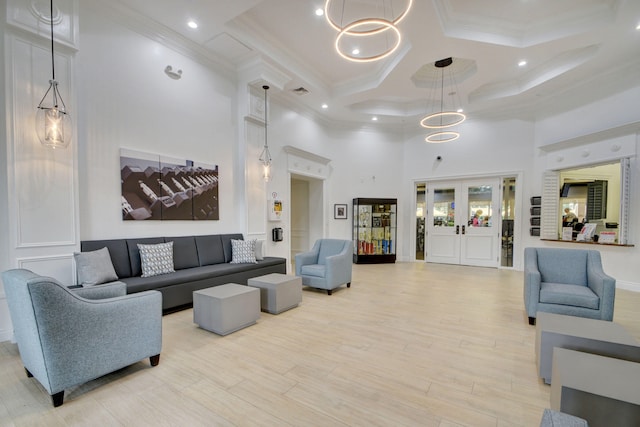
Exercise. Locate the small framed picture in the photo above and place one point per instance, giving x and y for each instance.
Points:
(340, 211)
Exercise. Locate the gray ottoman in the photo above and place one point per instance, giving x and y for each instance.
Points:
(278, 292)
(226, 308)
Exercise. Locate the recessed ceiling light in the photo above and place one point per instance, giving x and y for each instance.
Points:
(192, 24)
(319, 11)
(522, 63)
(374, 118)
(325, 106)
(460, 110)
(638, 27)
(355, 51)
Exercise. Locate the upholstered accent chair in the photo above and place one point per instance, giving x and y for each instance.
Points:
(68, 337)
(327, 265)
(567, 281)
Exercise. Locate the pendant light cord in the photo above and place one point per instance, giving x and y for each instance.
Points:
(53, 64)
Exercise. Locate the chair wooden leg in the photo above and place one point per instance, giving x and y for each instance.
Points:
(154, 360)
(328, 291)
(532, 321)
(348, 284)
(57, 398)
(29, 374)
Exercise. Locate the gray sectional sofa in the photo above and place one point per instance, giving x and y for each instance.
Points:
(200, 262)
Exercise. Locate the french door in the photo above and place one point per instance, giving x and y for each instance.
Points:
(462, 222)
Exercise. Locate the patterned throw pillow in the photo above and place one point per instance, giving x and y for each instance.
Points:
(243, 252)
(156, 259)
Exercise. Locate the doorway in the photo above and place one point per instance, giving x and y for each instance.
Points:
(467, 222)
(306, 213)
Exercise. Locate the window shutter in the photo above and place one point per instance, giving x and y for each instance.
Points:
(625, 203)
(550, 200)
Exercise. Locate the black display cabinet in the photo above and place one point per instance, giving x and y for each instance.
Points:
(374, 230)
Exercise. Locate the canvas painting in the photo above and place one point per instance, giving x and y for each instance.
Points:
(163, 188)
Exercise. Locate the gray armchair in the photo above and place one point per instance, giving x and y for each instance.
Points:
(68, 337)
(327, 265)
(567, 281)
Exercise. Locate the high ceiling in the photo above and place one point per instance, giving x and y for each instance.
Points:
(576, 51)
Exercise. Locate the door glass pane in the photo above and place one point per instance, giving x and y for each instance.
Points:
(480, 214)
(508, 216)
(444, 207)
(421, 212)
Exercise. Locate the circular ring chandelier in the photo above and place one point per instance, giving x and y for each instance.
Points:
(367, 27)
(366, 32)
(363, 22)
(430, 122)
(445, 137)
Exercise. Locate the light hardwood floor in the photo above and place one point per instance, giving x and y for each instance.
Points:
(409, 344)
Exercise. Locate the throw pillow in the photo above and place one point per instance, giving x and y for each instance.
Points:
(156, 259)
(94, 267)
(259, 250)
(243, 252)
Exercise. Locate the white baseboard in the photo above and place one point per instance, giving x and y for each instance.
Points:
(6, 335)
(629, 286)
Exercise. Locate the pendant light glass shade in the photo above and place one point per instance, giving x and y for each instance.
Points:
(53, 123)
(265, 156)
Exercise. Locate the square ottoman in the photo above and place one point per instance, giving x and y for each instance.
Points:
(226, 308)
(278, 292)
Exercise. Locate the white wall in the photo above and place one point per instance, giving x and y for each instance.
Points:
(484, 148)
(593, 123)
(127, 101)
(364, 163)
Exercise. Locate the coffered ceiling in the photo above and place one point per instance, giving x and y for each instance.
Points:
(576, 51)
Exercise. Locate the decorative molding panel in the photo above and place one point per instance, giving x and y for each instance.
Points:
(61, 267)
(592, 153)
(42, 181)
(34, 16)
(255, 185)
(307, 164)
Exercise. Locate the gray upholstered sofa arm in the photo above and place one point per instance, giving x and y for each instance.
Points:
(339, 267)
(601, 284)
(90, 337)
(532, 280)
(107, 290)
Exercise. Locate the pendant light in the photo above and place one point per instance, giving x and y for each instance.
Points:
(364, 28)
(265, 156)
(53, 123)
(444, 118)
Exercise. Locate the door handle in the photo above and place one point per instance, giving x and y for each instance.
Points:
(463, 229)
(457, 229)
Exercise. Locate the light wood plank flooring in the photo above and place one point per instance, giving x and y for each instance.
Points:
(410, 344)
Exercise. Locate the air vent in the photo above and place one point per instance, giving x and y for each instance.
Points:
(300, 91)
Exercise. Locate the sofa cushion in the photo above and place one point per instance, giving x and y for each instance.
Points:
(156, 259)
(134, 252)
(329, 247)
(118, 253)
(139, 284)
(226, 244)
(259, 250)
(210, 250)
(574, 295)
(94, 267)
(243, 252)
(185, 253)
(559, 266)
(317, 270)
